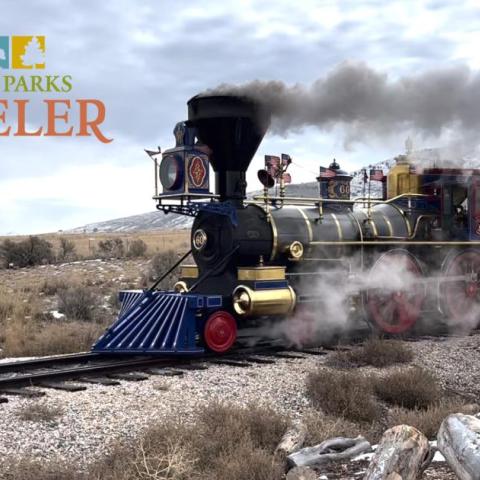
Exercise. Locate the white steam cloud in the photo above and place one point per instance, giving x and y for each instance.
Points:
(394, 284)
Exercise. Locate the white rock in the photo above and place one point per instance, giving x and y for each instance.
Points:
(459, 441)
(56, 314)
(402, 454)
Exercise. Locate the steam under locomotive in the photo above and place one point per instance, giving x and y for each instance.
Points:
(266, 258)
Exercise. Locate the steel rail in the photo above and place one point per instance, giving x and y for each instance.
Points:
(71, 373)
(51, 369)
(45, 362)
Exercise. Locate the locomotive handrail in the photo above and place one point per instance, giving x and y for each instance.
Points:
(181, 196)
(415, 229)
(319, 200)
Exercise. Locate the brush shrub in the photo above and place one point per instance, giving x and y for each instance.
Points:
(375, 352)
(429, 419)
(39, 412)
(137, 248)
(78, 303)
(411, 387)
(26, 253)
(344, 394)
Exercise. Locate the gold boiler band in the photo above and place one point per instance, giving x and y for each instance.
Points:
(307, 223)
(255, 303)
(260, 273)
(274, 238)
(188, 271)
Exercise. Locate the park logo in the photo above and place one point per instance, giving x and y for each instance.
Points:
(22, 52)
(22, 70)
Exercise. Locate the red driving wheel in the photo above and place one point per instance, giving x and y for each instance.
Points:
(460, 297)
(220, 331)
(395, 301)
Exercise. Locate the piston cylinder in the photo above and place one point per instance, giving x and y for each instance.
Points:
(255, 303)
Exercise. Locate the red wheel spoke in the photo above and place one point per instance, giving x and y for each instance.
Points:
(461, 298)
(396, 311)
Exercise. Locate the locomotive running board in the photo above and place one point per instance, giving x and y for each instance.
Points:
(152, 322)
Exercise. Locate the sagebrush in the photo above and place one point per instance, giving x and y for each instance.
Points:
(344, 394)
(376, 352)
(411, 387)
(226, 442)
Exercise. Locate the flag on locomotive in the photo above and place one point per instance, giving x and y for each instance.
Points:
(377, 175)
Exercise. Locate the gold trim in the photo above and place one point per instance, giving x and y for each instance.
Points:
(404, 215)
(274, 238)
(389, 224)
(307, 221)
(360, 231)
(260, 273)
(188, 271)
(371, 222)
(296, 250)
(339, 227)
(415, 230)
(317, 200)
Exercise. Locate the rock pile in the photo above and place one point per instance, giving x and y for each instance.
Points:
(403, 452)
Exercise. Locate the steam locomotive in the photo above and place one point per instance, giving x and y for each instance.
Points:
(266, 258)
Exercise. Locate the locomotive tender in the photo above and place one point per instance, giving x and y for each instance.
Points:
(265, 258)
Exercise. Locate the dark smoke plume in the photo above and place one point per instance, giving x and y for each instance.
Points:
(367, 102)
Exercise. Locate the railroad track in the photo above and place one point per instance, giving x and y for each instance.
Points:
(73, 372)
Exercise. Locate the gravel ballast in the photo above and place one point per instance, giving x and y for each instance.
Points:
(93, 420)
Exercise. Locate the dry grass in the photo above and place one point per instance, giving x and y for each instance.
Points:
(226, 442)
(86, 291)
(7, 306)
(87, 245)
(39, 412)
(411, 388)
(27, 329)
(375, 352)
(321, 427)
(50, 286)
(31, 469)
(225, 426)
(428, 420)
(344, 394)
(36, 339)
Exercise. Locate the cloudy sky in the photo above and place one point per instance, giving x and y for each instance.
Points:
(144, 60)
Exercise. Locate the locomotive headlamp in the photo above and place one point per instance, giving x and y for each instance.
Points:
(171, 172)
(199, 239)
